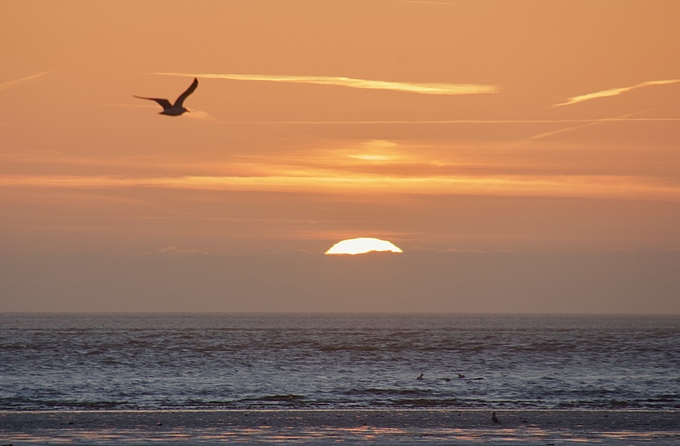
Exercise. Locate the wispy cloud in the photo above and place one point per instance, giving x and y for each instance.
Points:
(408, 87)
(374, 166)
(611, 186)
(17, 82)
(200, 114)
(613, 92)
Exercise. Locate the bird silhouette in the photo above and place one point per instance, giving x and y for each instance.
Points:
(177, 108)
(495, 419)
(420, 377)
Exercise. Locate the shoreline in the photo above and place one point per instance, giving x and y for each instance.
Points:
(325, 426)
(409, 417)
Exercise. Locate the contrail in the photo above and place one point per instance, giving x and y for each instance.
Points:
(589, 124)
(18, 82)
(586, 122)
(613, 92)
(433, 3)
(409, 87)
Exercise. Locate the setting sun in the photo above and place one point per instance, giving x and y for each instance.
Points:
(362, 245)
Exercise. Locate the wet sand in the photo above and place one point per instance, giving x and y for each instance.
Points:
(312, 427)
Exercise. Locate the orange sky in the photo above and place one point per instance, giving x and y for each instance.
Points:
(532, 127)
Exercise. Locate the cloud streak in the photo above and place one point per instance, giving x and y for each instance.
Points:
(407, 87)
(613, 92)
(609, 186)
(17, 82)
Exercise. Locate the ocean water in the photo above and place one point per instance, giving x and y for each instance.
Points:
(226, 361)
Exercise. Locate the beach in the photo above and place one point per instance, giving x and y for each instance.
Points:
(320, 427)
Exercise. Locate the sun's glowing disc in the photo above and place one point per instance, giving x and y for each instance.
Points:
(361, 246)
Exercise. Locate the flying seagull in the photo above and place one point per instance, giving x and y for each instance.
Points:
(177, 108)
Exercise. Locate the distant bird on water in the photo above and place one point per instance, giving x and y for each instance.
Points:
(420, 378)
(495, 419)
(177, 108)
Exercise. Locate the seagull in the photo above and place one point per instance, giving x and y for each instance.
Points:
(177, 108)
(495, 419)
(420, 377)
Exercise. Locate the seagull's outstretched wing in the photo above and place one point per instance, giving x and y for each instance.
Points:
(162, 102)
(183, 96)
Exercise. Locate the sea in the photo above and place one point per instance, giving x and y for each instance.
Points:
(117, 362)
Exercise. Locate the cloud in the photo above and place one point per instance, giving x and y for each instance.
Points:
(200, 114)
(319, 180)
(408, 87)
(379, 166)
(17, 82)
(613, 92)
